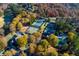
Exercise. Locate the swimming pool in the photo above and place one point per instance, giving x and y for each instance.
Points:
(62, 40)
(50, 29)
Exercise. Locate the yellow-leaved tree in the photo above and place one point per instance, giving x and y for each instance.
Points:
(7, 53)
(42, 47)
(10, 52)
(51, 51)
(22, 41)
(12, 27)
(53, 40)
(32, 39)
(25, 20)
(32, 48)
(3, 42)
(65, 54)
(19, 25)
(37, 34)
(71, 36)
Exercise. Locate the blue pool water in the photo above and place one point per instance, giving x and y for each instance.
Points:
(50, 29)
(62, 40)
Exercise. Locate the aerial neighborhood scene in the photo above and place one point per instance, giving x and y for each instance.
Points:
(39, 29)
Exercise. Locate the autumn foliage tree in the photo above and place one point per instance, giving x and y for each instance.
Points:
(71, 36)
(32, 39)
(22, 41)
(37, 34)
(32, 48)
(3, 42)
(53, 40)
(42, 47)
(52, 51)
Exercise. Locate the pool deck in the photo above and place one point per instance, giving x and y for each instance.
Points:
(32, 30)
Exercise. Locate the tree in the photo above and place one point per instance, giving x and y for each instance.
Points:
(41, 53)
(37, 34)
(10, 52)
(40, 48)
(68, 27)
(22, 41)
(3, 42)
(13, 51)
(23, 13)
(73, 43)
(1, 22)
(15, 20)
(25, 20)
(71, 36)
(44, 43)
(60, 25)
(14, 9)
(32, 48)
(23, 29)
(19, 25)
(76, 45)
(51, 51)
(32, 15)
(32, 39)
(1, 13)
(12, 28)
(66, 54)
(53, 40)
(63, 26)
(7, 53)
